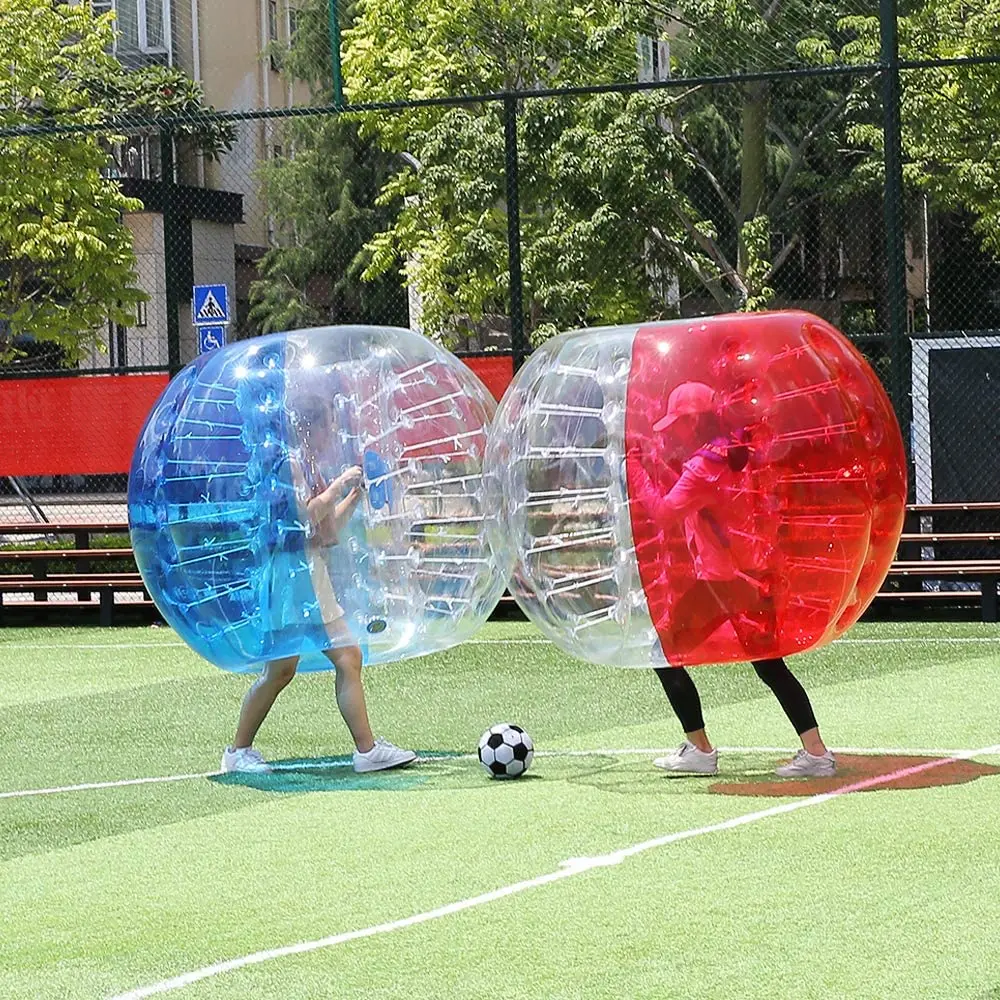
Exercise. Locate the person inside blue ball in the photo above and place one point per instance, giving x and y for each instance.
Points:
(325, 508)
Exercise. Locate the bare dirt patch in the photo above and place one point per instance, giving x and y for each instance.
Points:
(852, 768)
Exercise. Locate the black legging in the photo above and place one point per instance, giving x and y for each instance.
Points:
(791, 695)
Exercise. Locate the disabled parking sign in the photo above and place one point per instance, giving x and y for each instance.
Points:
(211, 338)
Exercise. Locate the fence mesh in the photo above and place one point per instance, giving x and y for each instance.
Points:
(354, 165)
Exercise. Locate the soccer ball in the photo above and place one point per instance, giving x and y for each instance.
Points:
(506, 750)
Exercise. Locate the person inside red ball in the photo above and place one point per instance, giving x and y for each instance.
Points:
(730, 582)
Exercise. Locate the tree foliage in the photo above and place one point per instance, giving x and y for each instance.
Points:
(66, 260)
(324, 189)
(765, 152)
(626, 199)
(596, 187)
(324, 192)
(950, 114)
(618, 190)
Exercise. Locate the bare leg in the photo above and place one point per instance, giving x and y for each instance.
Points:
(260, 698)
(812, 742)
(351, 694)
(700, 739)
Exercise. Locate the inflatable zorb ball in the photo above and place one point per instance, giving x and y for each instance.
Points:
(258, 537)
(700, 491)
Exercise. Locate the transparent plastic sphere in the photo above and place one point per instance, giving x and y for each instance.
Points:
(692, 492)
(307, 490)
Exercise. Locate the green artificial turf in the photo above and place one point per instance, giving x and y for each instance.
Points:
(885, 894)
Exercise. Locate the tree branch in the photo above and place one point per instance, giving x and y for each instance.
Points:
(772, 11)
(726, 270)
(727, 202)
(799, 153)
(786, 252)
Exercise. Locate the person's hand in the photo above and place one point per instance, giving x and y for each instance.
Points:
(351, 477)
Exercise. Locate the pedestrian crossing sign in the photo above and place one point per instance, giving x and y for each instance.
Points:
(210, 305)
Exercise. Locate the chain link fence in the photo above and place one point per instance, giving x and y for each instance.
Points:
(492, 174)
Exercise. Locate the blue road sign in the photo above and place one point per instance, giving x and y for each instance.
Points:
(210, 338)
(210, 305)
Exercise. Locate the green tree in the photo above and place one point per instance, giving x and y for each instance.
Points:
(950, 115)
(768, 154)
(617, 190)
(66, 260)
(597, 194)
(324, 191)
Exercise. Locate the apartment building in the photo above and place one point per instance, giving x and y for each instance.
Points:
(223, 227)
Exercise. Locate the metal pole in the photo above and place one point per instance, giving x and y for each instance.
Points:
(338, 76)
(518, 340)
(172, 249)
(895, 244)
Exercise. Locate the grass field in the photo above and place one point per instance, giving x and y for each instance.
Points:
(435, 882)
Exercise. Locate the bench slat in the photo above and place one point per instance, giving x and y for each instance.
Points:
(40, 584)
(983, 566)
(63, 528)
(33, 554)
(969, 536)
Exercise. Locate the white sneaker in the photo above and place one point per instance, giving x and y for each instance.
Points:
(381, 757)
(688, 759)
(805, 765)
(245, 759)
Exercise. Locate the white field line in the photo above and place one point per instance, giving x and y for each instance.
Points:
(169, 644)
(94, 785)
(902, 640)
(566, 869)
(437, 758)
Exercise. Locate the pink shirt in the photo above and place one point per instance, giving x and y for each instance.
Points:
(703, 496)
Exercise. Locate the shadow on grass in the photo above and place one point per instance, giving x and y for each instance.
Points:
(636, 775)
(336, 774)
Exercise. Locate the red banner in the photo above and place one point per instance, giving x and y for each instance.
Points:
(495, 370)
(88, 424)
(80, 425)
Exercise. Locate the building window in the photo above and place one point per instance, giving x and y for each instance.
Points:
(293, 23)
(272, 34)
(140, 25)
(141, 315)
(152, 25)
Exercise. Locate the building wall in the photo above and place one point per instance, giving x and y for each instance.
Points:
(222, 44)
(214, 264)
(146, 343)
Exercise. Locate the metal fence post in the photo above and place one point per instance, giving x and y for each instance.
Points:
(518, 340)
(335, 65)
(172, 248)
(895, 222)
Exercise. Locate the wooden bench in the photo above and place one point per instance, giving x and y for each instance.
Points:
(81, 531)
(919, 561)
(104, 585)
(913, 563)
(45, 579)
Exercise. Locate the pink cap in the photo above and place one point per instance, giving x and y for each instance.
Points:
(687, 398)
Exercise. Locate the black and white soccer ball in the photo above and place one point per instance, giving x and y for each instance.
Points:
(505, 751)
